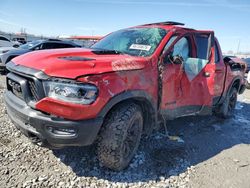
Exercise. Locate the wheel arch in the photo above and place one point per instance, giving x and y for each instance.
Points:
(235, 84)
(141, 98)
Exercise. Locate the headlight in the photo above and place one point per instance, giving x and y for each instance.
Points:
(73, 93)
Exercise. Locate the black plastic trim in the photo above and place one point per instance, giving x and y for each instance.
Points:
(242, 89)
(171, 114)
(135, 94)
(225, 92)
(149, 107)
(33, 122)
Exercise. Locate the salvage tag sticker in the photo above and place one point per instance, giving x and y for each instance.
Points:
(140, 47)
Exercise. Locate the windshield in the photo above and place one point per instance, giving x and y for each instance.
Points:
(30, 45)
(133, 41)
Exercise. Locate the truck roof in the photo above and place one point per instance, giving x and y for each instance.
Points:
(168, 25)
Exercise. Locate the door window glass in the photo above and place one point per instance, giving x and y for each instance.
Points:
(202, 44)
(169, 43)
(193, 66)
(181, 48)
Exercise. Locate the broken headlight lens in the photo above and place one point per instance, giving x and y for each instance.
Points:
(71, 92)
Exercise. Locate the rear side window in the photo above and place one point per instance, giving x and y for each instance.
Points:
(203, 46)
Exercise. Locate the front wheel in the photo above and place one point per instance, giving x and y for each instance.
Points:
(120, 136)
(227, 108)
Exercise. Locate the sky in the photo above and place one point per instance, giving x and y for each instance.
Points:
(230, 19)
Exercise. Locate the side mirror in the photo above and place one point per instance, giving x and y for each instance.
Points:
(177, 59)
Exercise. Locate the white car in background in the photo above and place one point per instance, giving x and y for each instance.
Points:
(6, 45)
(2, 51)
(4, 42)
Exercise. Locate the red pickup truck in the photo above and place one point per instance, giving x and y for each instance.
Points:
(121, 88)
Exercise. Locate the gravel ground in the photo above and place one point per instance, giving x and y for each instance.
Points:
(209, 152)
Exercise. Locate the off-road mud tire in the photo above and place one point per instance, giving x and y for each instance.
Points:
(114, 136)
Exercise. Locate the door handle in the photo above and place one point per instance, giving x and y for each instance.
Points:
(206, 74)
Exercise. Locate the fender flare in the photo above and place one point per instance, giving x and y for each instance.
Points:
(133, 95)
(236, 79)
(140, 97)
(227, 90)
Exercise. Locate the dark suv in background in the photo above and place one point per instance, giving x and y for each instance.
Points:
(33, 46)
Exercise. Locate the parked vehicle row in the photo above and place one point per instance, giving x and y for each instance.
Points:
(34, 46)
(84, 41)
(121, 88)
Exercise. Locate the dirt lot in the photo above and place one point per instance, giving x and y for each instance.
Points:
(208, 153)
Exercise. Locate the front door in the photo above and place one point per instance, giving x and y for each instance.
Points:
(186, 83)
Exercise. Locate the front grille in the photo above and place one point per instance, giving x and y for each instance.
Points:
(25, 87)
(33, 90)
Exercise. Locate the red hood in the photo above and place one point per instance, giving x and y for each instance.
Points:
(61, 62)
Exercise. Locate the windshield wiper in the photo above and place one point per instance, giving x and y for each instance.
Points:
(104, 51)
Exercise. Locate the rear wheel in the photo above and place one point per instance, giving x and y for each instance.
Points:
(227, 108)
(120, 136)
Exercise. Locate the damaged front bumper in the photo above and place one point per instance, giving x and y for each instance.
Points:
(47, 130)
